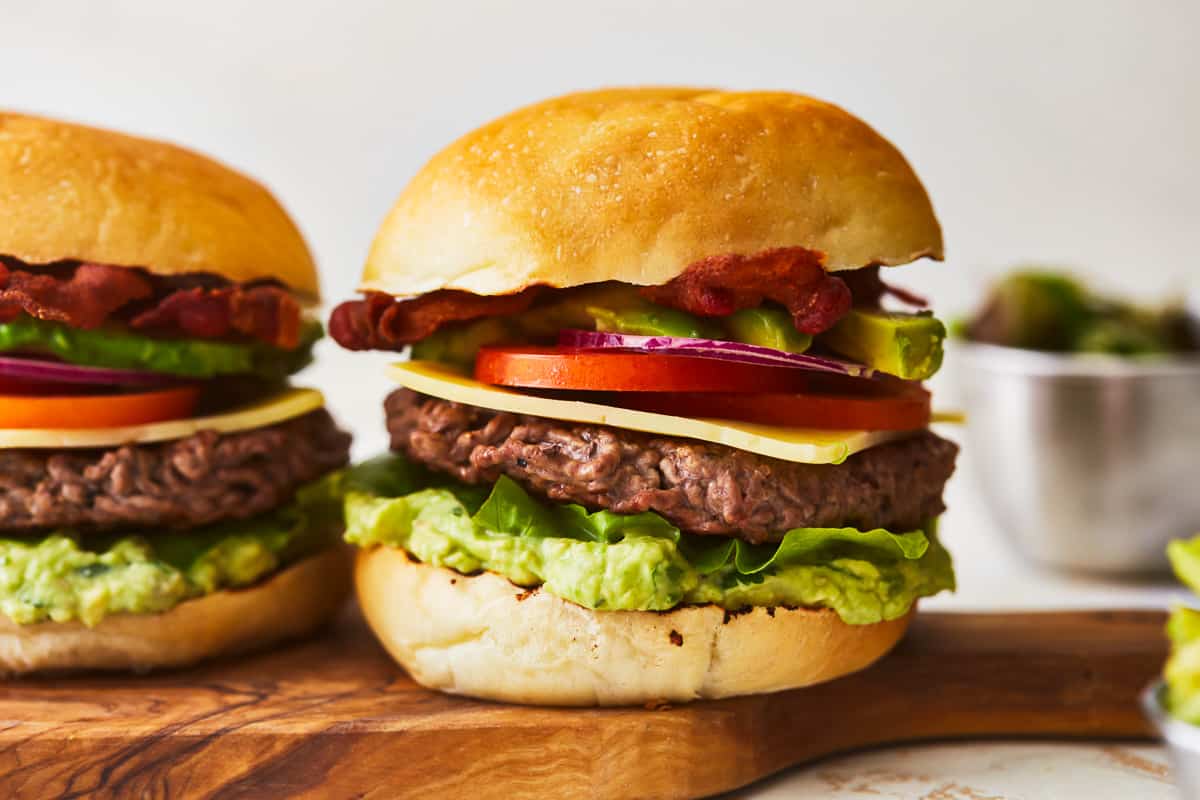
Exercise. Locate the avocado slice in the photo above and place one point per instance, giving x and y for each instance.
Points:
(117, 347)
(652, 321)
(908, 346)
(767, 327)
(458, 344)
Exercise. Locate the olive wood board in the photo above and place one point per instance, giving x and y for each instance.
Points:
(334, 717)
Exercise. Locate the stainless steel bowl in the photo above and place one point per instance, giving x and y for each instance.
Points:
(1085, 462)
(1183, 741)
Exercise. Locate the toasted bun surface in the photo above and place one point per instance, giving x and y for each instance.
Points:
(484, 637)
(292, 603)
(75, 192)
(634, 185)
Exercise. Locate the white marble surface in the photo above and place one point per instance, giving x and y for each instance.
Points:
(982, 771)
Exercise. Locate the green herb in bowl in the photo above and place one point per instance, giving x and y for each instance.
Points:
(1036, 309)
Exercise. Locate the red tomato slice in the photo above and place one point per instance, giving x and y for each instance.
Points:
(590, 370)
(905, 409)
(97, 411)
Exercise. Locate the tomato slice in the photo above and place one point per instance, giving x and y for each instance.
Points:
(903, 409)
(589, 370)
(97, 411)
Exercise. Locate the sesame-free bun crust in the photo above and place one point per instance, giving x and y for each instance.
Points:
(75, 192)
(292, 603)
(634, 185)
(484, 637)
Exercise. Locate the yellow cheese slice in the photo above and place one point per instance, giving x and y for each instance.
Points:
(278, 408)
(803, 445)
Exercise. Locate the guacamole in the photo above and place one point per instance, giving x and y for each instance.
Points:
(63, 576)
(637, 562)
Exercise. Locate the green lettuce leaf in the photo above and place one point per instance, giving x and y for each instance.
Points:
(636, 561)
(118, 348)
(1182, 672)
(510, 510)
(61, 576)
(1184, 555)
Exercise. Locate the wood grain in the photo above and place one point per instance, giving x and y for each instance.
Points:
(333, 717)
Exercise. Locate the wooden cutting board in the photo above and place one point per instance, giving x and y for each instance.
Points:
(333, 717)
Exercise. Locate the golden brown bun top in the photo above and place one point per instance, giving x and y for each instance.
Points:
(634, 185)
(74, 192)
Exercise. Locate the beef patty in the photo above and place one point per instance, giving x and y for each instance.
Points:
(204, 478)
(700, 487)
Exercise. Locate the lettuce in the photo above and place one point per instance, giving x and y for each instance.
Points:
(118, 348)
(1182, 673)
(636, 562)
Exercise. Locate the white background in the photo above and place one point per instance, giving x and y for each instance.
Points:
(1052, 131)
(1056, 132)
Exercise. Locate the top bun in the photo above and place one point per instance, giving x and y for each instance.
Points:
(634, 185)
(79, 193)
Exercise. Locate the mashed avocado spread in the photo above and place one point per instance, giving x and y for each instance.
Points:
(636, 562)
(62, 576)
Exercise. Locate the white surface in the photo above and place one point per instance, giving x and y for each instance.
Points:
(975, 771)
(1060, 131)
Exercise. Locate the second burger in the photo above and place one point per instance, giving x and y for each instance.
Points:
(165, 496)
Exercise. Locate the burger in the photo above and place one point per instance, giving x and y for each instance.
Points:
(164, 495)
(662, 435)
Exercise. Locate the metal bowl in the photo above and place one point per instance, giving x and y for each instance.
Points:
(1085, 462)
(1183, 741)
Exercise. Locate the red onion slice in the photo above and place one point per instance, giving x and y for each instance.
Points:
(711, 348)
(33, 369)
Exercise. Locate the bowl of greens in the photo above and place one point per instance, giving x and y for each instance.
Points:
(1083, 422)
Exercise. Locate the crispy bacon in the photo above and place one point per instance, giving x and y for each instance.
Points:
(85, 299)
(791, 276)
(713, 287)
(380, 322)
(89, 295)
(266, 313)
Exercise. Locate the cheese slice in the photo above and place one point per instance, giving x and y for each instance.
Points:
(280, 407)
(803, 445)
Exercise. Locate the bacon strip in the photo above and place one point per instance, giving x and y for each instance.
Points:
(714, 286)
(380, 322)
(89, 295)
(84, 300)
(266, 313)
(791, 276)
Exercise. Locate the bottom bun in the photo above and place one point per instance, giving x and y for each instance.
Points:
(291, 603)
(482, 636)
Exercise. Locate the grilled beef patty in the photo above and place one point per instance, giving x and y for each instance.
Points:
(700, 487)
(185, 483)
